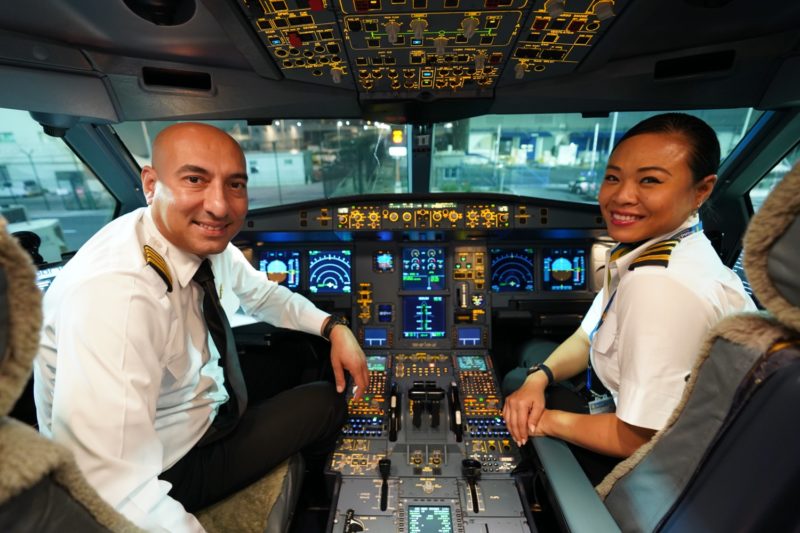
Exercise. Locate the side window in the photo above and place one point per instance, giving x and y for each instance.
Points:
(46, 189)
(759, 193)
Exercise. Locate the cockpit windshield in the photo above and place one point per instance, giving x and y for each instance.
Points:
(559, 156)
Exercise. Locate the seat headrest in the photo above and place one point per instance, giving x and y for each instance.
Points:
(772, 251)
(20, 319)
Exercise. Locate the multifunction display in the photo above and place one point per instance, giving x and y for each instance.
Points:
(282, 266)
(513, 269)
(329, 271)
(423, 317)
(564, 269)
(423, 269)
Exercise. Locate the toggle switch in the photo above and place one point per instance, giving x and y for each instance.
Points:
(418, 26)
(392, 29)
(469, 26)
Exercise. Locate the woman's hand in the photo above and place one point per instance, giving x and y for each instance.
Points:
(524, 407)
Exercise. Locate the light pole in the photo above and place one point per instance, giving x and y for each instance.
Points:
(28, 154)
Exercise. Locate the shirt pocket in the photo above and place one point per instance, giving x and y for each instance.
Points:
(606, 336)
(177, 359)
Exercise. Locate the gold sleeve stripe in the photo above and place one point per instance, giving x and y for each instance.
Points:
(158, 263)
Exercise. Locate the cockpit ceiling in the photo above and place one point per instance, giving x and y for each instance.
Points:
(409, 49)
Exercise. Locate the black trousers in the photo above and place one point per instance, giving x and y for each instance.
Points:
(306, 419)
(595, 465)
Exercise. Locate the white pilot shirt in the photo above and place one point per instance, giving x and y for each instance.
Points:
(654, 328)
(127, 376)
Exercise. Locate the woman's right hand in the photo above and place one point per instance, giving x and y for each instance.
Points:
(524, 407)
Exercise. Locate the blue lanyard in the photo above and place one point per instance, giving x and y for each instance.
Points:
(677, 237)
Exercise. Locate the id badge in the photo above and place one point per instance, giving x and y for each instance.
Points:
(601, 404)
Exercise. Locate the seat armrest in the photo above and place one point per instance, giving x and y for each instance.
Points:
(578, 502)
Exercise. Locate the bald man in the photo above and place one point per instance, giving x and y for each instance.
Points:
(128, 376)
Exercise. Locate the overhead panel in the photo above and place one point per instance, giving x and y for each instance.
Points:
(427, 48)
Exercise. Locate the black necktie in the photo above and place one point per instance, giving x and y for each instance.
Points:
(222, 334)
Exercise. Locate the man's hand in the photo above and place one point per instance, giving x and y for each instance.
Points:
(524, 407)
(346, 354)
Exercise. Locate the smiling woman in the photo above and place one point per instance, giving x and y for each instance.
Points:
(663, 278)
(662, 170)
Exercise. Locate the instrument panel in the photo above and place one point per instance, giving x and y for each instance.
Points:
(426, 448)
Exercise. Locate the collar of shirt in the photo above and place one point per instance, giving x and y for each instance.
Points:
(619, 268)
(183, 264)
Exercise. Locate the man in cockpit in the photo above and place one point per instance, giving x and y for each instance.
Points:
(137, 372)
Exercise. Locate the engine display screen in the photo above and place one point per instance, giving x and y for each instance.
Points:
(430, 519)
(513, 270)
(423, 269)
(329, 271)
(423, 317)
(282, 266)
(564, 269)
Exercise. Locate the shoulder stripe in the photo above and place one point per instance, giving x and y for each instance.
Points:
(657, 254)
(158, 263)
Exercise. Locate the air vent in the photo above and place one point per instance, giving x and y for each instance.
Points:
(696, 65)
(176, 79)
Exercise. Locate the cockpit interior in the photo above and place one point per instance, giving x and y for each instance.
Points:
(427, 169)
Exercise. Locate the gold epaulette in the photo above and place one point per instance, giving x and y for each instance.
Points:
(158, 263)
(656, 254)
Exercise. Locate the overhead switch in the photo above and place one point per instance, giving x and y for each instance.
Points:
(295, 40)
(519, 71)
(480, 60)
(336, 75)
(469, 26)
(392, 29)
(418, 26)
(555, 8)
(439, 44)
(604, 9)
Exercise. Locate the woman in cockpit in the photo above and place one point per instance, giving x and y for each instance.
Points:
(664, 288)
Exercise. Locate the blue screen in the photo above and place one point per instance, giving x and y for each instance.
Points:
(374, 337)
(470, 336)
(423, 317)
(423, 269)
(329, 271)
(512, 269)
(282, 266)
(564, 269)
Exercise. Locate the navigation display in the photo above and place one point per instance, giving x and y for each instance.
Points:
(329, 271)
(564, 269)
(423, 269)
(429, 519)
(282, 266)
(512, 269)
(423, 317)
